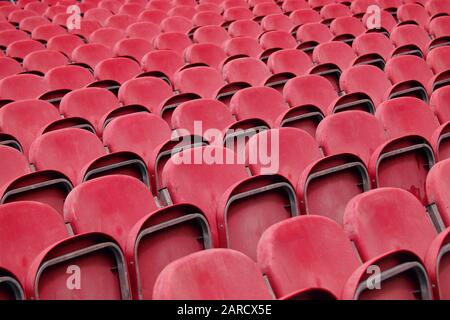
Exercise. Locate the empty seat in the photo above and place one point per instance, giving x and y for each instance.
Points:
(28, 24)
(140, 133)
(207, 53)
(438, 103)
(309, 90)
(311, 34)
(288, 251)
(135, 48)
(410, 39)
(436, 7)
(117, 69)
(244, 28)
(107, 36)
(412, 12)
(265, 8)
(19, 49)
(347, 26)
(291, 5)
(9, 67)
(86, 28)
(232, 274)
(439, 59)
(295, 149)
(437, 185)
(373, 43)
(131, 9)
(65, 43)
(120, 21)
(211, 34)
(13, 165)
(91, 54)
(44, 60)
(398, 69)
(143, 30)
(387, 21)
(204, 81)
(225, 182)
(183, 11)
(112, 5)
(243, 46)
(68, 77)
(102, 205)
(334, 52)
(149, 92)
(22, 86)
(334, 10)
(249, 70)
(97, 14)
(207, 18)
(237, 13)
(26, 119)
(55, 151)
(172, 41)
(305, 15)
(277, 39)
(154, 15)
(176, 24)
(289, 60)
(164, 62)
(367, 79)
(276, 21)
(440, 26)
(47, 31)
(258, 102)
(9, 36)
(407, 116)
(202, 116)
(90, 104)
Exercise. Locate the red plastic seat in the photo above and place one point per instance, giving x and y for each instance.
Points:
(413, 12)
(208, 53)
(183, 11)
(86, 28)
(439, 59)
(314, 32)
(334, 52)
(176, 24)
(107, 36)
(438, 103)
(120, 21)
(244, 28)
(347, 26)
(309, 90)
(237, 13)
(373, 43)
(436, 7)
(243, 46)
(436, 188)
(9, 67)
(19, 49)
(36, 6)
(13, 165)
(407, 116)
(207, 18)
(387, 219)
(211, 34)
(97, 14)
(154, 15)
(149, 92)
(204, 81)
(166, 62)
(289, 60)
(232, 276)
(131, 9)
(290, 247)
(65, 43)
(26, 119)
(277, 39)
(276, 21)
(366, 79)
(317, 4)
(9, 36)
(117, 69)
(47, 31)
(439, 27)
(334, 10)
(55, 151)
(225, 181)
(398, 69)
(258, 102)
(28, 24)
(354, 132)
(89, 103)
(140, 133)
(409, 38)
(68, 77)
(22, 87)
(142, 30)
(135, 48)
(91, 54)
(249, 70)
(44, 60)
(211, 114)
(111, 5)
(387, 21)
(296, 150)
(302, 16)
(292, 5)
(172, 41)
